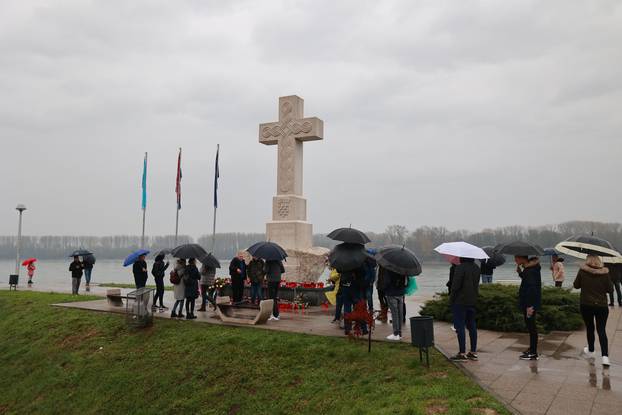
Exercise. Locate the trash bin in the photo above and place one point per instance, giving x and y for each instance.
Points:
(138, 308)
(13, 280)
(422, 335)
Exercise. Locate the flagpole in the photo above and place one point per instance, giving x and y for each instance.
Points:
(142, 238)
(176, 226)
(216, 175)
(178, 191)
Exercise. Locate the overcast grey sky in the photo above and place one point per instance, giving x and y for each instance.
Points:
(467, 114)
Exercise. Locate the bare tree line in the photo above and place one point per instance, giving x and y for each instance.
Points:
(421, 240)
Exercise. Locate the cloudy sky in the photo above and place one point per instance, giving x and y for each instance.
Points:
(466, 114)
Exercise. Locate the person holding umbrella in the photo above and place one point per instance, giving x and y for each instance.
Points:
(139, 269)
(395, 265)
(89, 262)
(237, 271)
(394, 288)
(594, 282)
(75, 268)
(158, 270)
(530, 291)
(256, 273)
(191, 281)
(30, 267)
(274, 271)
(529, 298)
(463, 298)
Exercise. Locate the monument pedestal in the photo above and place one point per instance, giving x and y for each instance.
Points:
(295, 234)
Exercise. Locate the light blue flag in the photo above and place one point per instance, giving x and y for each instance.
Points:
(144, 184)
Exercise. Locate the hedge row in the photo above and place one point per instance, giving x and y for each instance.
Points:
(497, 309)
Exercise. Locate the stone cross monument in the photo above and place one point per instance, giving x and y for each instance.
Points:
(289, 227)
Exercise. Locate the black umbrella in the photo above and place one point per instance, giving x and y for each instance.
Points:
(188, 251)
(268, 251)
(210, 261)
(349, 235)
(80, 252)
(496, 259)
(399, 259)
(520, 248)
(89, 259)
(583, 245)
(551, 252)
(347, 257)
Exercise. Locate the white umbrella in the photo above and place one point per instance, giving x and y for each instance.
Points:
(462, 250)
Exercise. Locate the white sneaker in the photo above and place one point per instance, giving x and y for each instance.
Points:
(273, 318)
(587, 353)
(605, 360)
(393, 337)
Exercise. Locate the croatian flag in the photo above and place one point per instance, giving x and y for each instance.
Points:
(216, 176)
(144, 184)
(178, 181)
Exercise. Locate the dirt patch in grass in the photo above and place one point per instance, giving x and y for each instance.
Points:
(234, 409)
(484, 411)
(75, 340)
(436, 407)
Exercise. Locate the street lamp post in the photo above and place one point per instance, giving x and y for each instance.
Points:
(20, 208)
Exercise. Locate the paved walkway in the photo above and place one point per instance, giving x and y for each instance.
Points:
(561, 382)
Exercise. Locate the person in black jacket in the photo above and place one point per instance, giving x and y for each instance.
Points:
(76, 268)
(529, 299)
(139, 269)
(615, 272)
(158, 271)
(463, 298)
(274, 271)
(237, 271)
(486, 271)
(394, 290)
(191, 281)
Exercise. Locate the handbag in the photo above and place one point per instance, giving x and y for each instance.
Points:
(174, 277)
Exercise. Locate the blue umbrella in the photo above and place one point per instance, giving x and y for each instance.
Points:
(134, 256)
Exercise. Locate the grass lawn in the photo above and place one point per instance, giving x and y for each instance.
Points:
(57, 360)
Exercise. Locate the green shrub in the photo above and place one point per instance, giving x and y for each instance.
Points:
(497, 309)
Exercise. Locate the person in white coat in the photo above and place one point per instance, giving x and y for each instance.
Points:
(179, 289)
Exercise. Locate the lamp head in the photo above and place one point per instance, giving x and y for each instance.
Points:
(20, 208)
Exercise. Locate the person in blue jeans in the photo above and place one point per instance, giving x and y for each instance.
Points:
(463, 298)
(352, 288)
(89, 262)
(256, 271)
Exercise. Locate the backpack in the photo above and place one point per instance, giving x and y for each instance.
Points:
(174, 277)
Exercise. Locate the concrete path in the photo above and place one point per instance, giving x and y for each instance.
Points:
(561, 382)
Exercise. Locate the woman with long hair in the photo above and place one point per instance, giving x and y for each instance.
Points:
(594, 282)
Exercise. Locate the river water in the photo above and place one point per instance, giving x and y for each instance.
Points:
(54, 273)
